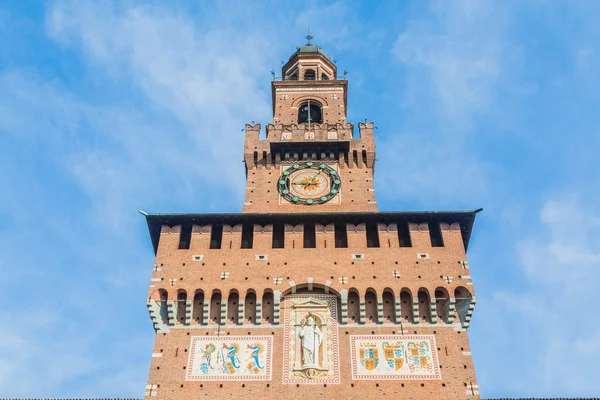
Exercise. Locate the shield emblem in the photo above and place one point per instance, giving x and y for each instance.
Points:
(394, 355)
(369, 356)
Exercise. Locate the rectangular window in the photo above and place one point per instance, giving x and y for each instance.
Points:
(372, 235)
(247, 236)
(341, 235)
(435, 233)
(404, 234)
(185, 237)
(278, 236)
(216, 236)
(310, 237)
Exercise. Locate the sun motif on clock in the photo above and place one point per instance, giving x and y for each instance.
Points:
(309, 183)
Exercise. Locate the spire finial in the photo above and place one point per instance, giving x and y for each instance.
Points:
(308, 38)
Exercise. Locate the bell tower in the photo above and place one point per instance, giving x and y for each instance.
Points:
(311, 291)
(309, 130)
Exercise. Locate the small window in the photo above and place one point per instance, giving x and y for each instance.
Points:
(185, 237)
(324, 77)
(435, 233)
(310, 239)
(341, 235)
(404, 234)
(216, 236)
(310, 112)
(372, 235)
(247, 236)
(309, 75)
(278, 236)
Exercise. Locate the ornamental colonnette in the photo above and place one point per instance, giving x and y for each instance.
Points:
(310, 291)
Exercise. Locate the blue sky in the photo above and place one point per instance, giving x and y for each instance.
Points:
(111, 107)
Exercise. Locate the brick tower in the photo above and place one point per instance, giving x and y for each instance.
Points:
(311, 292)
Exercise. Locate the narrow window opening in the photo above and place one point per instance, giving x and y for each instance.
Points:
(310, 112)
(355, 157)
(364, 157)
(341, 235)
(255, 157)
(216, 236)
(185, 236)
(435, 233)
(404, 234)
(309, 75)
(247, 236)
(372, 235)
(264, 158)
(278, 236)
(310, 239)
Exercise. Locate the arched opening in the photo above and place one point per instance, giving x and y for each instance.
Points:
(406, 306)
(424, 306)
(181, 302)
(371, 306)
(164, 314)
(442, 300)
(215, 307)
(389, 306)
(324, 77)
(310, 111)
(232, 307)
(355, 158)
(364, 157)
(353, 307)
(268, 307)
(463, 302)
(250, 307)
(309, 75)
(198, 308)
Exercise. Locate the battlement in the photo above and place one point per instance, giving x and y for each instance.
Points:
(332, 142)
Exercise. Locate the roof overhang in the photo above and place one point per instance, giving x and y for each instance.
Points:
(466, 219)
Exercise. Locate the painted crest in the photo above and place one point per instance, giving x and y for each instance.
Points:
(394, 354)
(418, 356)
(254, 365)
(369, 356)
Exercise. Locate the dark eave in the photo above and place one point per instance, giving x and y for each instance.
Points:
(464, 218)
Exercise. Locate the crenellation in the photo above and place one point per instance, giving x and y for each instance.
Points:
(252, 284)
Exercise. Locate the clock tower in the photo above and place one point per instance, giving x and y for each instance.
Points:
(312, 155)
(311, 291)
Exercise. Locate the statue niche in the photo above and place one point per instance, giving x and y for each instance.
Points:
(312, 323)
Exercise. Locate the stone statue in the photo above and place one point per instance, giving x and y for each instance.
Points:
(311, 337)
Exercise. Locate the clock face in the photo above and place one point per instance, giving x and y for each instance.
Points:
(309, 183)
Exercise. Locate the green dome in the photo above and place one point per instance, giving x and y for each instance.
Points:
(310, 49)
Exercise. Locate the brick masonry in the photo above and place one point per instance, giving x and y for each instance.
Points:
(390, 290)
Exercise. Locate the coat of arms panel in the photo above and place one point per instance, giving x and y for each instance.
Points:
(243, 358)
(394, 357)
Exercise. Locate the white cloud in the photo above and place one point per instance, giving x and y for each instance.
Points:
(552, 321)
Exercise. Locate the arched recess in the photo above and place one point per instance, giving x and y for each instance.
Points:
(371, 306)
(463, 302)
(215, 307)
(406, 306)
(181, 301)
(309, 75)
(353, 306)
(164, 297)
(268, 307)
(424, 306)
(442, 299)
(389, 306)
(232, 306)
(250, 307)
(310, 111)
(324, 77)
(198, 307)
